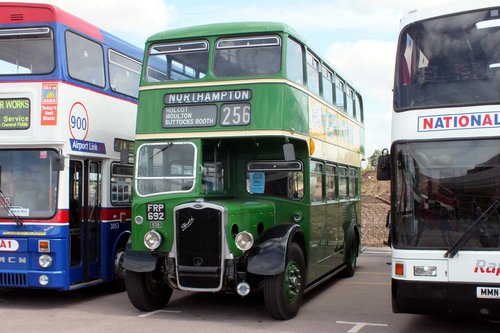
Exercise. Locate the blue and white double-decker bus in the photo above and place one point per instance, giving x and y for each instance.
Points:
(68, 93)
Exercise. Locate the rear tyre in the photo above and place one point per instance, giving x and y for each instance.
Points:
(146, 291)
(283, 293)
(351, 257)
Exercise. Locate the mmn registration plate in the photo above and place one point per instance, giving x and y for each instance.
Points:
(488, 292)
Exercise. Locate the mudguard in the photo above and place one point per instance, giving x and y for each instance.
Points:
(140, 262)
(268, 255)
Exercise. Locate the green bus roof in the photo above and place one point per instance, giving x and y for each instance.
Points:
(216, 29)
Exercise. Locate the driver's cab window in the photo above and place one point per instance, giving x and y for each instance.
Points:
(212, 168)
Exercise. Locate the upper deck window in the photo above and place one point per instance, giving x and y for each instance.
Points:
(85, 59)
(124, 74)
(177, 61)
(247, 56)
(312, 73)
(449, 61)
(294, 61)
(26, 51)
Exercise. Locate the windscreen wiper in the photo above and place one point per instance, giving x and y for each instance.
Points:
(168, 145)
(452, 251)
(5, 204)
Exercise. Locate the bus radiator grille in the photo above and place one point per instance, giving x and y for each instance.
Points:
(198, 240)
(13, 280)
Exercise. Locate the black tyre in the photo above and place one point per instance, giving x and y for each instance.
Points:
(146, 292)
(283, 293)
(119, 270)
(351, 256)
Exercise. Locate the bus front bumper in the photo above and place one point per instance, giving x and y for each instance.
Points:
(445, 298)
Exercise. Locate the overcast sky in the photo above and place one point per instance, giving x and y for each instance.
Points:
(357, 37)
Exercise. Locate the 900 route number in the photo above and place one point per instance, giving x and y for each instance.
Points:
(155, 212)
(235, 114)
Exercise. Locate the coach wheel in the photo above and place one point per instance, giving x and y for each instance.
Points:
(283, 293)
(146, 291)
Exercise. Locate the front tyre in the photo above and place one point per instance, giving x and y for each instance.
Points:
(119, 270)
(283, 293)
(146, 291)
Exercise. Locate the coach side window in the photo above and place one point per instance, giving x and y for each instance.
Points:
(85, 59)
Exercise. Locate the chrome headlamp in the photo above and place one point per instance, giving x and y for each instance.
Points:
(244, 240)
(152, 240)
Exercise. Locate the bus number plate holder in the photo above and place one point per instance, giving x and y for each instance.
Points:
(488, 292)
(155, 212)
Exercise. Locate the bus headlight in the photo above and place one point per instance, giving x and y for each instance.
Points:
(425, 270)
(43, 280)
(45, 261)
(244, 240)
(152, 240)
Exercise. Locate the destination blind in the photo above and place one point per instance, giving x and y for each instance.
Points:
(14, 113)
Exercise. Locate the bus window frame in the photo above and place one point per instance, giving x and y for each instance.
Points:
(68, 62)
(340, 88)
(343, 183)
(313, 73)
(334, 175)
(167, 71)
(193, 177)
(349, 106)
(295, 166)
(110, 77)
(55, 182)
(52, 38)
(112, 175)
(314, 199)
(353, 180)
(327, 76)
(218, 47)
(293, 76)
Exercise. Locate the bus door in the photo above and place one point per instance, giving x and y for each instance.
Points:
(85, 221)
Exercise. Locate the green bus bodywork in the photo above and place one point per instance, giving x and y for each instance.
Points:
(240, 154)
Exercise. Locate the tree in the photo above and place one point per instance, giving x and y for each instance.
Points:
(372, 160)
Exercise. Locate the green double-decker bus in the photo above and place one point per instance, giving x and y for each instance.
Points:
(247, 167)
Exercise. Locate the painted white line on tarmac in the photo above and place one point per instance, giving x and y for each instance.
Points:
(152, 313)
(359, 325)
